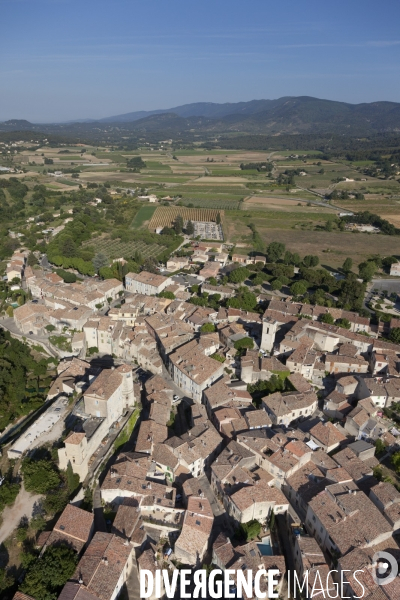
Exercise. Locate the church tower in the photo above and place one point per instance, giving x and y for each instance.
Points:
(269, 329)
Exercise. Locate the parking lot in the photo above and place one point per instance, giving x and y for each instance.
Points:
(389, 285)
(46, 428)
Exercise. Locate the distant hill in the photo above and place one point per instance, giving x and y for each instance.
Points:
(17, 124)
(285, 115)
(197, 109)
(288, 115)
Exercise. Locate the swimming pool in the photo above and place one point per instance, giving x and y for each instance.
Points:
(265, 546)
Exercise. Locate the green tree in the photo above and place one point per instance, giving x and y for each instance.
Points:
(245, 342)
(239, 275)
(352, 292)
(68, 247)
(32, 260)
(347, 265)
(275, 251)
(394, 335)
(344, 323)
(218, 218)
(250, 530)
(329, 226)
(367, 270)
(276, 285)
(100, 260)
(395, 460)
(258, 279)
(66, 275)
(190, 228)
(244, 299)
(40, 476)
(298, 288)
(8, 492)
(207, 328)
(150, 264)
(380, 447)
(6, 581)
(46, 576)
(178, 225)
(327, 318)
(213, 281)
(167, 294)
(311, 260)
(106, 273)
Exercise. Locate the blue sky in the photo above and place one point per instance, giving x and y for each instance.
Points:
(70, 59)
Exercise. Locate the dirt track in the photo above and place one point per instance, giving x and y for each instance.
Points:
(23, 506)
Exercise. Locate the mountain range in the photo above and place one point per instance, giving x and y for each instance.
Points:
(294, 115)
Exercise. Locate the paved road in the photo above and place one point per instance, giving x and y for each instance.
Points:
(44, 262)
(8, 323)
(23, 506)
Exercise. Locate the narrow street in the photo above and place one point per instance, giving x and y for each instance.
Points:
(99, 520)
(287, 550)
(221, 519)
(132, 583)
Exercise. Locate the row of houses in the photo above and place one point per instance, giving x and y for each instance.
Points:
(16, 265)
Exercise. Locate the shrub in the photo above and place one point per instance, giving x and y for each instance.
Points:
(46, 576)
(245, 342)
(66, 275)
(207, 328)
(218, 357)
(40, 476)
(167, 294)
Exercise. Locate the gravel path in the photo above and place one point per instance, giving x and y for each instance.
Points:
(23, 506)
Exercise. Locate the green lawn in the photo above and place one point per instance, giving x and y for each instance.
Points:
(157, 166)
(145, 213)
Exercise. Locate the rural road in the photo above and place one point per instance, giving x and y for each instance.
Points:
(12, 515)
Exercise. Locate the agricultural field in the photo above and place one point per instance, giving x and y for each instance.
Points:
(143, 216)
(211, 203)
(165, 216)
(117, 248)
(305, 233)
(211, 181)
